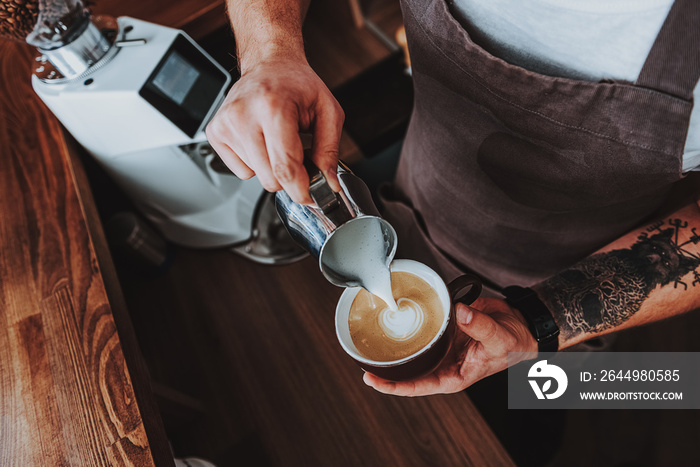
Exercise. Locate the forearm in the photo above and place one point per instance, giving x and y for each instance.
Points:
(647, 275)
(267, 29)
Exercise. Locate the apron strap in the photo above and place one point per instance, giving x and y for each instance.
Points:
(673, 65)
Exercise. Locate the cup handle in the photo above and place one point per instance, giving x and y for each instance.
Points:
(462, 282)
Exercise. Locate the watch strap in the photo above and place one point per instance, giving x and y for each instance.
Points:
(538, 317)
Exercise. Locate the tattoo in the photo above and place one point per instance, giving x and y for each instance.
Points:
(606, 289)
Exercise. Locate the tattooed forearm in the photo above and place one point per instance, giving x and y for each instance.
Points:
(606, 289)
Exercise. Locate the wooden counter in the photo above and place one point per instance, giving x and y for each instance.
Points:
(257, 345)
(72, 389)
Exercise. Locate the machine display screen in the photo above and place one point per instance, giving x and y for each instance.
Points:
(184, 85)
(176, 77)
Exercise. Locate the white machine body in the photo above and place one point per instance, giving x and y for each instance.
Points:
(142, 116)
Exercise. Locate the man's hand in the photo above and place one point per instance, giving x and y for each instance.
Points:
(256, 130)
(487, 331)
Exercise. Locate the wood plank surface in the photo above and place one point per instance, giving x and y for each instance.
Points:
(69, 393)
(337, 48)
(386, 14)
(197, 17)
(338, 51)
(264, 339)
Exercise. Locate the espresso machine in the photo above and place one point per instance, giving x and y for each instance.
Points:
(137, 96)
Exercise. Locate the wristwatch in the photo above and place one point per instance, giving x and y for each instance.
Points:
(539, 318)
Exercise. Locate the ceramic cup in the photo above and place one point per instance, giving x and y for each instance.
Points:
(429, 357)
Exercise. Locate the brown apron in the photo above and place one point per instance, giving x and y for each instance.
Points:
(515, 175)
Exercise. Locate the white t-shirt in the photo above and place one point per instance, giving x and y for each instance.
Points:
(581, 39)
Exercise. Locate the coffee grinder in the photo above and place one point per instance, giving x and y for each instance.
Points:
(138, 96)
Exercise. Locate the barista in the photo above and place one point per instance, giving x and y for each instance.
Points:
(524, 170)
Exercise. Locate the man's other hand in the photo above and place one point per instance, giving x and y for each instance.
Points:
(487, 331)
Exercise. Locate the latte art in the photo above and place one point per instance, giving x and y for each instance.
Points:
(403, 323)
(382, 334)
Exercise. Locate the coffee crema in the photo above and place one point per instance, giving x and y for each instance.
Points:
(382, 334)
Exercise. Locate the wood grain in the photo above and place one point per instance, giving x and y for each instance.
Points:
(338, 48)
(197, 17)
(67, 396)
(264, 337)
(386, 14)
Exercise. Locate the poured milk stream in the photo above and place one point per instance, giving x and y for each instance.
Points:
(357, 251)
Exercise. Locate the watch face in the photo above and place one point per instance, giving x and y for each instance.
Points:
(539, 319)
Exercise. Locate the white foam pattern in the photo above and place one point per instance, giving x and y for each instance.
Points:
(404, 323)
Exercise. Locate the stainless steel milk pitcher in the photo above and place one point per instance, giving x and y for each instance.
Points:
(316, 227)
